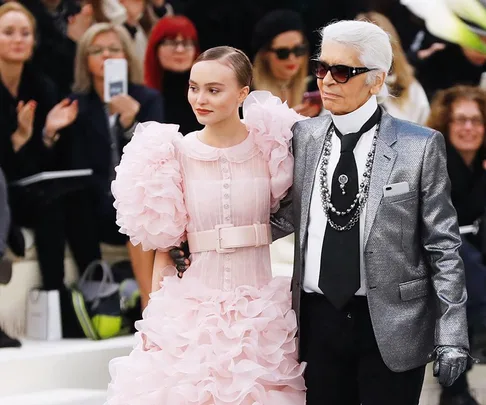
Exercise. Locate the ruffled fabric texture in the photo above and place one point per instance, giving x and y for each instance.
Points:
(270, 122)
(148, 188)
(204, 346)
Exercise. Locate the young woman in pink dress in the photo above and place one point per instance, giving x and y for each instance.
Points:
(224, 333)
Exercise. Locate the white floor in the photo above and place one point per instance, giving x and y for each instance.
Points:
(73, 371)
(58, 397)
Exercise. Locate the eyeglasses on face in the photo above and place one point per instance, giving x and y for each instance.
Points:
(174, 43)
(340, 73)
(463, 120)
(98, 50)
(284, 53)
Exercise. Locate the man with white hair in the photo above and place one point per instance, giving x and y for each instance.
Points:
(378, 284)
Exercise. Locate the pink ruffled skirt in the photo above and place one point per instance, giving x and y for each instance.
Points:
(208, 347)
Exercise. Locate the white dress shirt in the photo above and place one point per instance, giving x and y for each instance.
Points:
(346, 124)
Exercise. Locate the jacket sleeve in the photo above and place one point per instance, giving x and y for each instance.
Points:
(282, 221)
(153, 108)
(441, 242)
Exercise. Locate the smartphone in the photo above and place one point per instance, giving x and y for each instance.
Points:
(116, 78)
(313, 97)
(395, 189)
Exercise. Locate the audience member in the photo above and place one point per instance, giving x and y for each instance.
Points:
(408, 101)
(60, 24)
(281, 59)
(103, 129)
(138, 14)
(33, 141)
(460, 114)
(173, 47)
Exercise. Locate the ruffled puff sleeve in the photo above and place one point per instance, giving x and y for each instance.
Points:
(270, 122)
(148, 188)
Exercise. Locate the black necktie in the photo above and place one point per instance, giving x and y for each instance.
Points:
(339, 277)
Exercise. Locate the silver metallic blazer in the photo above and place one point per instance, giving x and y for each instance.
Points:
(415, 277)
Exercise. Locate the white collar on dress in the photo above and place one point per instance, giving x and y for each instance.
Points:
(353, 121)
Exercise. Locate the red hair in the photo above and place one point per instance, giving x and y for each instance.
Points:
(166, 27)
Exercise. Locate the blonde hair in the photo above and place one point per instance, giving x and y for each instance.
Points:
(264, 80)
(83, 81)
(14, 6)
(400, 67)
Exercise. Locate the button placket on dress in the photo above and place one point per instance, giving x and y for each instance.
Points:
(226, 199)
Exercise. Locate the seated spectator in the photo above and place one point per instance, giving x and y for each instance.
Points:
(281, 60)
(139, 23)
(172, 49)
(460, 114)
(60, 24)
(103, 129)
(33, 140)
(408, 100)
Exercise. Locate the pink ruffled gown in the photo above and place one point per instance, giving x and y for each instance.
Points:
(224, 334)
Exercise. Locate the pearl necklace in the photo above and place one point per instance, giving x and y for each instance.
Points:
(360, 199)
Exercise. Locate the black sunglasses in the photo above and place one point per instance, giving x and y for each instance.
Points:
(284, 53)
(340, 73)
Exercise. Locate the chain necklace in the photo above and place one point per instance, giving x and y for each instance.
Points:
(361, 197)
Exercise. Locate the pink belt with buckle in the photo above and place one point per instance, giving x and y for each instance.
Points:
(226, 238)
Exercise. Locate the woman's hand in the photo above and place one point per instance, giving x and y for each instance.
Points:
(25, 123)
(427, 53)
(78, 24)
(127, 107)
(61, 115)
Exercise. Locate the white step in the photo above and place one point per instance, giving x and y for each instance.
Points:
(66, 364)
(58, 397)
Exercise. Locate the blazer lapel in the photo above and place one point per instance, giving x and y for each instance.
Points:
(313, 152)
(383, 163)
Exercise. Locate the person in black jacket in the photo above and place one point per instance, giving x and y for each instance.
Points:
(103, 129)
(460, 114)
(171, 51)
(60, 24)
(32, 140)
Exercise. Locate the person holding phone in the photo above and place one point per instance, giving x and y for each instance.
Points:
(281, 59)
(102, 129)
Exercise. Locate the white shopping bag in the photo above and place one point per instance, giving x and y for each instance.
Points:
(44, 315)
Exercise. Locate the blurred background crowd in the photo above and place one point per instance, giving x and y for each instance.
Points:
(53, 115)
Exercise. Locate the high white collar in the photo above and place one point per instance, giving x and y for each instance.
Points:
(353, 121)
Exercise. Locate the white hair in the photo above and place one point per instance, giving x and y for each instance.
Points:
(372, 43)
